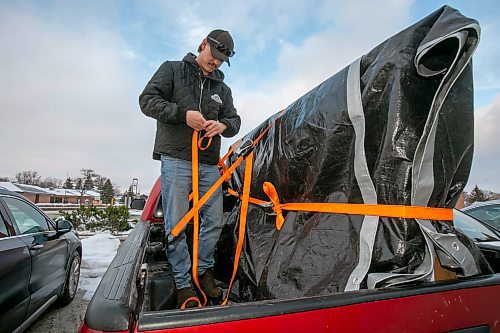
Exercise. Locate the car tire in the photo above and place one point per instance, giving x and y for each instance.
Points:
(72, 278)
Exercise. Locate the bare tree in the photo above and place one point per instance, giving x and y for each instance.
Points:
(5, 179)
(117, 188)
(99, 181)
(490, 195)
(51, 182)
(28, 177)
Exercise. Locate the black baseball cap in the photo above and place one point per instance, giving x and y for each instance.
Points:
(221, 45)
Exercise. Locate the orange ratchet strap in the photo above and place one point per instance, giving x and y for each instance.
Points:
(183, 306)
(230, 151)
(243, 220)
(415, 212)
(196, 206)
(254, 201)
(201, 141)
(223, 159)
(185, 220)
(196, 221)
(197, 203)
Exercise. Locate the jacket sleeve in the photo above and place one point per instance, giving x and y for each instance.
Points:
(229, 117)
(155, 99)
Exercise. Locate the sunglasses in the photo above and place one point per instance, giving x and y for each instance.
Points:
(221, 47)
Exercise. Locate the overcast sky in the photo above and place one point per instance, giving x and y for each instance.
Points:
(71, 72)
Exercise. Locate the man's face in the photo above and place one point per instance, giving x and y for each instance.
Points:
(205, 59)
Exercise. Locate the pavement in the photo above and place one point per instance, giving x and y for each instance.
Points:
(65, 319)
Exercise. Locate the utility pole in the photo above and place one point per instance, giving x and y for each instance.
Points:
(135, 181)
(132, 192)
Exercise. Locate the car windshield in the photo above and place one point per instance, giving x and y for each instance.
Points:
(472, 228)
(489, 214)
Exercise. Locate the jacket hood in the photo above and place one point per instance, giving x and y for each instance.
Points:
(216, 75)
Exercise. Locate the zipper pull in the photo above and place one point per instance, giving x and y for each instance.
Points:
(201, 93)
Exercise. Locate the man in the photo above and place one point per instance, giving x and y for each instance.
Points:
(186, 96)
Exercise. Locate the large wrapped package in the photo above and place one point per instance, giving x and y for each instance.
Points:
(393, 128)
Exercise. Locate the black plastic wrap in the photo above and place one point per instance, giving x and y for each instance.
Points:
(414, 141)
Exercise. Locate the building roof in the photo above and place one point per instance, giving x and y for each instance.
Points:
(64, 192)
(31, 189)
(23, 188)
(93, 193)
(9, 186)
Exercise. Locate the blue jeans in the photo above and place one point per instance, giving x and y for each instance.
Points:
(176, 184)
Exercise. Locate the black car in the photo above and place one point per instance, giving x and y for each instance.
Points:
(486, 238)
(487, 212)
(39, 262)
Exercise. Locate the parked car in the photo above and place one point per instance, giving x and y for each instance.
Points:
(486, 238)
(486, 211)
(138, 203)
(40, 262)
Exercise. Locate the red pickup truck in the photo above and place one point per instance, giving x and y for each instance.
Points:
(392, 133)
(136, 295)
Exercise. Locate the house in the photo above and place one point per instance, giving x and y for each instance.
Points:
(68, 196)
(41, 195)
(96, 197)
(34, 193)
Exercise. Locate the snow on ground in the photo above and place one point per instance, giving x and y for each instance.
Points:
(98, 252)
(135, 212)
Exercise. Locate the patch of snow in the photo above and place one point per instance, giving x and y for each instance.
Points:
(9, 186)
(98, 252)
(135, 212)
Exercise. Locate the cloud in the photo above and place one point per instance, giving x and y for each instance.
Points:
(68, 98)
(337, 30)
(255, 24)
(486, 124)
(302, 65)
(313, 39)
(486, 60)
(485, 165)
(72, 71)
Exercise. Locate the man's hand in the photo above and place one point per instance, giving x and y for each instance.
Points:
(213, 127)
(195, 120)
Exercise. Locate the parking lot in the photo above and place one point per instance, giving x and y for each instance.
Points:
(65, 319)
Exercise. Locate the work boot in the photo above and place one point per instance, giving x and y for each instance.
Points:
(183, 295)
(208, 286)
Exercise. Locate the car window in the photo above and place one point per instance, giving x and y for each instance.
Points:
(27, 218)
(488, 214)
(3, 228)
(473, 228)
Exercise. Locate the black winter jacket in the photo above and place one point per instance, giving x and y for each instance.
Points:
(179, 86)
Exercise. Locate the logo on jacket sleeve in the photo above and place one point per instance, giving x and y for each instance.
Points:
(216, 98)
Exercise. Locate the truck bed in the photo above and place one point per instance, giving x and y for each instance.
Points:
(124, 302)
